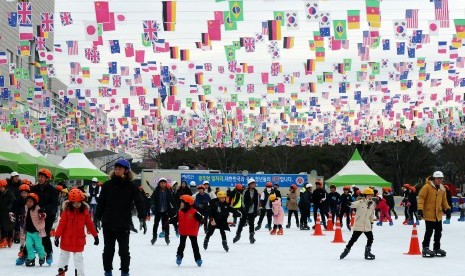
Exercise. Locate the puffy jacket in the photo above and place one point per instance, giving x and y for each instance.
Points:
(219, 211)
(38, 223)
(278, 212)
(116, 203)
(382, 205)
(189, 221)
(364, 215)
(7, 200)
(334, 199)
(305, 200)
(201, 202)
(292, 200)
(71, 228)
(432, 201)
(14, 186)
(48, 198)
(345, 199)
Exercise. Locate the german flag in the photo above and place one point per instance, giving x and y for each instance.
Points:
(199, 78)
(274, 30)
(174, 52)
(156, 102)
(310, 66)
(173, 90)
(201, 98)
(169, 15)
(185, 55)
(312, 87)
(206, 39)
(288, 42)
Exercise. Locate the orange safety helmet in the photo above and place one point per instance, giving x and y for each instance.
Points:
(201, 187)
(76, 195)
(406, 186)
(3, 183)
(294, 187)
(34, 196)
(413, 189)
(268, 184)
(59, 188)
(46, 172)
(26, 181)
(239, 187)
(187, 199)
(346, 188)
(24, 188)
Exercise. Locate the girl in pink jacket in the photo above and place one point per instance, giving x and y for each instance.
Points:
(34, 224)
(278, 214)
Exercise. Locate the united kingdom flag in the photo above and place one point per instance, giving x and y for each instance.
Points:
(94, 56)
(250, 88)
(40, 43)
(116, 80)
(24, 13)
(207, 66)
(150, 30)
(249, 44)
(66, 18)
(232, 64)
(47, 22)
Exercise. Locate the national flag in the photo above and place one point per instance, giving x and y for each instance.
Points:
(279, 16)
(229, 24)
(57, 48)
(411, 52)
(102, 11)
(249, 44)
(325, 24)
(110, 25)
(460, 28)
(66, 18)
(274, 30)
(442, 47)
(139, 56)
(112, 67)
(85, 72)
(150, 30)
(24, 48)
(114, 46)
(353, 19)
(185, 54)
(416, 37)
(312, 11)
(386, 45)
(411, 17)
(73, 49)
(214, 30)
(169, 15)
(373, 12)
(160, 46)
(400, 29)
(236, 10)
(340, 29)
(47, 23)
(453, 53)
(174, 52)
(40, 43)
(26, 32)
(320, 54)
(3, 58)
(24, 13)
(91, 30)
(12, 19)
(433, 27)
(292, 21)
(441, 12)
(288, 42)
(129, 50)
(75, 67)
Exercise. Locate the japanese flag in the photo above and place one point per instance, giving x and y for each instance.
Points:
(46, 56)
(433, 27)
(71, 93)
(61, 94)
(91, 30)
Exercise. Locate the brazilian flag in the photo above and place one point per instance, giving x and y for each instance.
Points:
(236, 10)
(340, 29)
(229, 24)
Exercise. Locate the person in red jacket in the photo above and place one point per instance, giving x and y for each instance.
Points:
(74, 217)
(189, 220)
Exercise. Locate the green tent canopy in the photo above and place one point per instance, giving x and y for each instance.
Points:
(7, 165)
(80, 168)
(26, 163)
(356, 172)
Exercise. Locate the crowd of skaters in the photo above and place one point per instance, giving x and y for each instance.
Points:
(31, 213)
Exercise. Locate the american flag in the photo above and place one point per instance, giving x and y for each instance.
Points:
(124, 70)
(75, 67)
(441, 12)
(73, 49)
(265, 28)
(24, 13)
(366, 38)
(47, 22)
(66, 18)
(411, 16)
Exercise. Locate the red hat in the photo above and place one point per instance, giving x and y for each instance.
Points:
(201, 187)
(46, 172)
(294, 187)
(26, 181)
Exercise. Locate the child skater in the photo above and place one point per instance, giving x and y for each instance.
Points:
(19, 217)
(383, 208)
(363, 223)
(278, 214)
(189, 221)
(74, 217)
(34, 224)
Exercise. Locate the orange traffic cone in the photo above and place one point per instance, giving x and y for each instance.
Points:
(330, 226)
(318, 231)
(352, 219)
(338, 234)
(414, 243)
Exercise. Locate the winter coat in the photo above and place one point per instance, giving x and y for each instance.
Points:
(219, 211)
(235, 199)
(71, 227)
(305, 201)
(449, 197)
(18, 209)
(412, 199)
(201, 203)
(48, 199)
(334, 199)
(94, 192)
(389, 199)
(116, 203)
(432, 201)
(14, 187)
(170, 202)
(7, 200)
(345, 202)
(278, 212)
(38, 223)
(292, 201)
(277, 193)
(183, 191)
(364, 215)
(264, 202)
(189, 222)
(319, 197)
(248, 201)
(382, 205)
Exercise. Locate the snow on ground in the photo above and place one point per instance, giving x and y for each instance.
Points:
(294, 252)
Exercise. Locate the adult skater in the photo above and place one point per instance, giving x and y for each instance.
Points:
(291, 205)
(346, 199)
(163, 205)
(249, 212)
(319, 203)
(265, 207)
(304, 206)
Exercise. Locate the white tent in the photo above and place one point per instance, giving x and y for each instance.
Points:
(80, 167)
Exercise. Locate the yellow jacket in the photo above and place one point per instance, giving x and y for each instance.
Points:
(432, 201)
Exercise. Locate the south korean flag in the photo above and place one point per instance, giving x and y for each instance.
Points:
(292, 22)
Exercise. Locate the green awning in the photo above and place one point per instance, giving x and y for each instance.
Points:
(7, 165)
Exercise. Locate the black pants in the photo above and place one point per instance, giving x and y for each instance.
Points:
(164, 223)
(46, 241)
(412, 212)
(109, 240)
(334, 213)
(211, 230)
(269, 215)
(296, 215)
(304, 214)
(391, 209)
(356, 235)
(436, 227)
(322, 212)
(250, 218)
(345, 211)
(195, 247)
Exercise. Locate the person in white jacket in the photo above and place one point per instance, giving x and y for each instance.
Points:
(363, 223)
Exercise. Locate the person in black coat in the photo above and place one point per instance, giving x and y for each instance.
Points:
(7, 198)
(346, 199)
(49, 203)
(276, 190)
(163, 205)
(183, 190)
(93, 195)
(387, 194)
(13, 184)
(265, 207)
(319, 202)
(114, 211)
(334, 201)
(249, 211)
(219, 211)
(304, 206)
(449, 201)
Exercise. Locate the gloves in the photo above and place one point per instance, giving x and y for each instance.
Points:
(97, 224)
(12, 217)
(57, 242)
(448, 212)
(96, 240)
(143, 225)
(420, 214)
